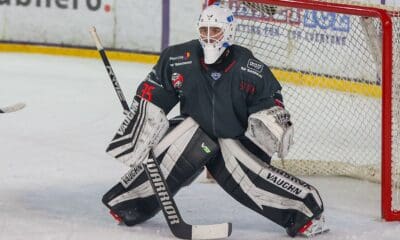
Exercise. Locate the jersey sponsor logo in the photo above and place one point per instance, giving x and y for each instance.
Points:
(180, 60)
(251, 71)
(255, 65)
(147, 91)
(216, 75)
(177, 80)
(185, 56)
(161, 191)
(181, 63)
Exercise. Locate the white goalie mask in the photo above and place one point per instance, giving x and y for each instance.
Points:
(216, 29)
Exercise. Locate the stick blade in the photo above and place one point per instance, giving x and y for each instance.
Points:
(216, 231)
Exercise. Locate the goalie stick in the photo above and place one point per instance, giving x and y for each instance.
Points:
(12, 108)
(109, 69)
(177, 225)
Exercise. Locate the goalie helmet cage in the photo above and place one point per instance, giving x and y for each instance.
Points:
(339, 64)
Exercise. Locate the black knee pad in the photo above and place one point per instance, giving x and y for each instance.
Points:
(182, 154)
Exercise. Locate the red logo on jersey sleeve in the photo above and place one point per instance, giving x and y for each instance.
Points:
(147, 91)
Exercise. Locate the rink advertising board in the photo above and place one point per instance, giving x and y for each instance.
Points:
(306, 29)
(121, 24)
(134, 25)
(149, 26)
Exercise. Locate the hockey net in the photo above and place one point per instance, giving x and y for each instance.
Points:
(340, 70)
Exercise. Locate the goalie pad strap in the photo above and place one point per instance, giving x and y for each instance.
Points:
(143, 127)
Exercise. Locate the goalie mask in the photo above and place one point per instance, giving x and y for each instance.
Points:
(216, 32)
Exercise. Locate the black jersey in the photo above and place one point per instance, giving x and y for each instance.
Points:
(219, 97)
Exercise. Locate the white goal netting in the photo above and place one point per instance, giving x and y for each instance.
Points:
(330, 66)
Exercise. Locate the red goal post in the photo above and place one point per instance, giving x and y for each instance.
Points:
(378, 34)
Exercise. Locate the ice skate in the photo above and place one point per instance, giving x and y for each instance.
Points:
(312, 228)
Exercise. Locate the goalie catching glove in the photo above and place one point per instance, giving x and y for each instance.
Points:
(271, 130)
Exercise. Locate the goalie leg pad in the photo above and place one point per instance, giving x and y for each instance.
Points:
(275, 194)
(181, 154)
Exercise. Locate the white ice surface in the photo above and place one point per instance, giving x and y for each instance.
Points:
(54, 171)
